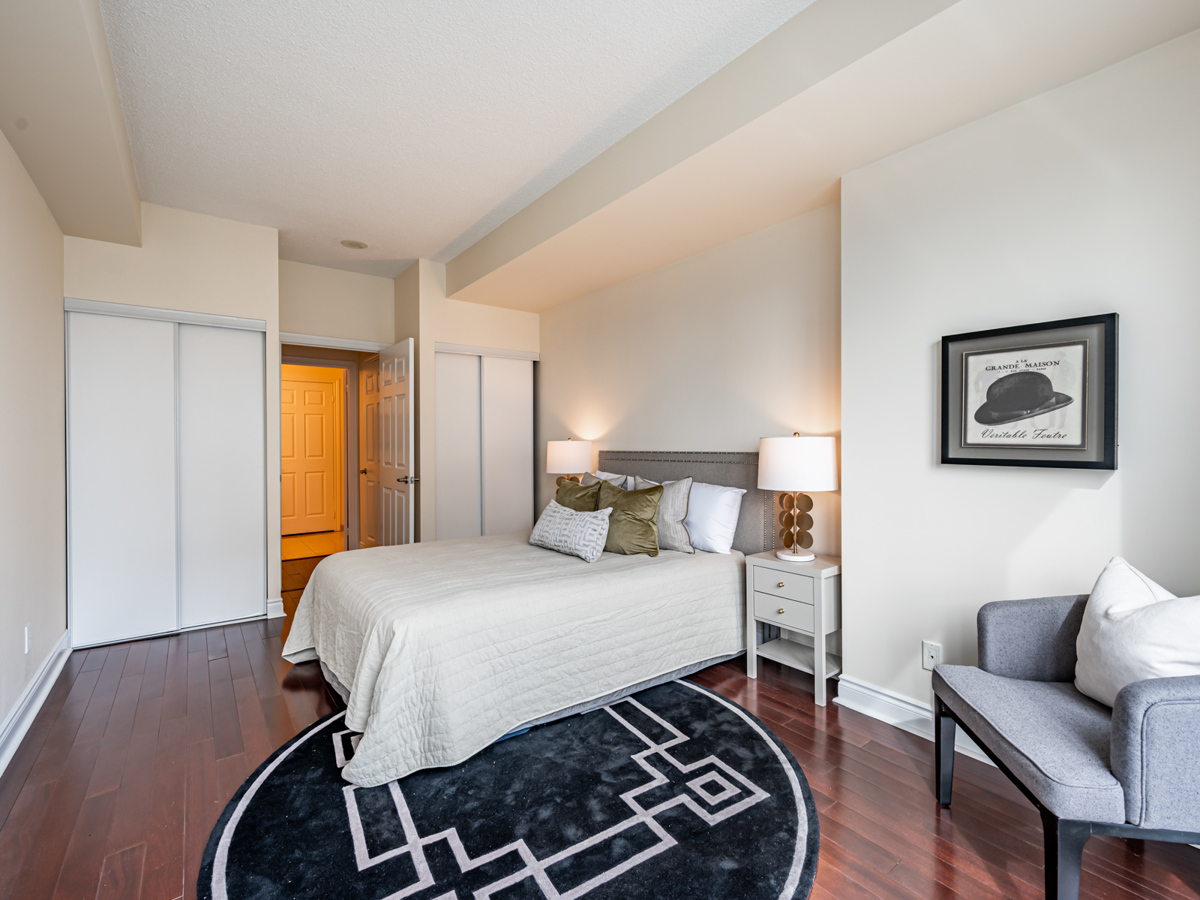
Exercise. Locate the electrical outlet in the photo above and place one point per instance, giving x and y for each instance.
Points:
(28, 638)
(931, 654)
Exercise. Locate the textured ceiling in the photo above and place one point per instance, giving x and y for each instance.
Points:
(414, 126)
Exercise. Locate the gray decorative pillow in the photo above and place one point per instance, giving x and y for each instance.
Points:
(672, 511)
(579, 534)
(624, 482)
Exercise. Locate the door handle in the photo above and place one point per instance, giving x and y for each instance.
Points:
(408, 479)
(362, 471)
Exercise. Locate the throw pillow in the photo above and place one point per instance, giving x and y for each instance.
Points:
(1132, 630)
(713, 515)
(672, 511)
(576, 496)
(624, 482)
(631, 529)
(579, 534)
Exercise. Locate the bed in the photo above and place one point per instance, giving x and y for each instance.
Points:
(444, 647)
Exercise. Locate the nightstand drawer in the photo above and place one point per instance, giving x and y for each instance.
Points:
(784, 584)
(784, 613)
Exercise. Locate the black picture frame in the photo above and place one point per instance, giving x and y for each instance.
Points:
(1042, 395)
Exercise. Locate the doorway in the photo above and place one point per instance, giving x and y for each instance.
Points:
(371, 431)
(318, 445)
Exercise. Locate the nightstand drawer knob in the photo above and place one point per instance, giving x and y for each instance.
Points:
(780, 584)
(782, 611)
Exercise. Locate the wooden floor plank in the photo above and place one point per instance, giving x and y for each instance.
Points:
(121, 874)
(199, 697)
(199, 818)
(114, 744)
(227, 728)
(162, 871)
(17, 771)
(175, 688)
(135, 663)
(63, 733)
(140, 746)
(45, 846)
(256, 734)
(154, 672)
(84, 858)
(235, 647)
(137, 778)
(216, 643)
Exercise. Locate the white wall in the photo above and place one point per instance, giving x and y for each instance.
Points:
(1084, 200)
(328, 302)
(711, 353)
(32, 465)
(204, 264)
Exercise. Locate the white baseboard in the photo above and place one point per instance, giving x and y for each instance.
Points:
(896, 709)
(275, 609)
(21, 716)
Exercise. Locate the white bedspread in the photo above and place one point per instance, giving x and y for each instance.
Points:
(446, 646)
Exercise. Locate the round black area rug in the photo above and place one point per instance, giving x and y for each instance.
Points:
(674, 793)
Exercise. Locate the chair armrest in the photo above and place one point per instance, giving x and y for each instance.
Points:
(1156, 754)
(1033, 640)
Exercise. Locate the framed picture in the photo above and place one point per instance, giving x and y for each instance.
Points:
(1034, 395)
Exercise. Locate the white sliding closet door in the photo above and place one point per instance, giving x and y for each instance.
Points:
(121, 477)
(457, 483)
(484, 417)
(222, 478)
(507, 441)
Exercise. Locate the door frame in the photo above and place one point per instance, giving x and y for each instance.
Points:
(350, 488)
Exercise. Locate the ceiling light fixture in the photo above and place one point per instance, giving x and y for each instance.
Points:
(354, 245)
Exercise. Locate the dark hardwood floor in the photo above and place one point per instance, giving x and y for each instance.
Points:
(139, 747)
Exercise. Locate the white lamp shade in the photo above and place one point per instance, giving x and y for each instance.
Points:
(797, 464)
(568, 457)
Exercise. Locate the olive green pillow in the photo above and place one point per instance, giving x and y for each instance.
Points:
(631, 527)
(574, 495)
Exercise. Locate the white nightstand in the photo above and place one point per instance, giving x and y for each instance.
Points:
(805, 598)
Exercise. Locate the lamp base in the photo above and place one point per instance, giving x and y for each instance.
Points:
(803, 556)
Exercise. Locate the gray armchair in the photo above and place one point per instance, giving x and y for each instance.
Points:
(1131, 771)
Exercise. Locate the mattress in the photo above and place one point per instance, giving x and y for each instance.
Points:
(446, 646)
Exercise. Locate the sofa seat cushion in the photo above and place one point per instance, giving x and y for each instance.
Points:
(1051, 737)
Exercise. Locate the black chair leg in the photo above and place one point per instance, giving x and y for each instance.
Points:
(1064, 840)
(943, 751)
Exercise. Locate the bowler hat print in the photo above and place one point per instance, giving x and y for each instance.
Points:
(1020, 395)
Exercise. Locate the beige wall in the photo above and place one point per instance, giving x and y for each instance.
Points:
(203, 264)
(421, 302)
(328, 302)
(406, 296)
(32, 465)
(1085, 200)
(711, 353)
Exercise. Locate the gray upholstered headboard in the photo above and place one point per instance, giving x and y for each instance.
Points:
(755, 530)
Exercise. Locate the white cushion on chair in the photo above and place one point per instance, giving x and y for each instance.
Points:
(1134, 629)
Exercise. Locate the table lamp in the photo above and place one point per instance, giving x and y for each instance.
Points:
(795, 465)
(568, 458)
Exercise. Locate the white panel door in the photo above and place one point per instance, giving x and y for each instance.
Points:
(396, 476)
(370, 492)
(222, 475)
(120, 477)
(457, 504)
(507, 441)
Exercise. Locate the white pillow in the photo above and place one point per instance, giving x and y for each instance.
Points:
(1132, 630)
(579, 534)
(624, 482)
(712, 516)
